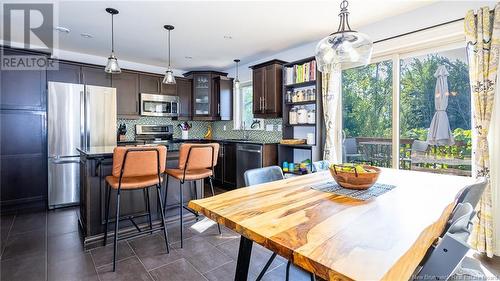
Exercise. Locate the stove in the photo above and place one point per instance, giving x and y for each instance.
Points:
(154, 134)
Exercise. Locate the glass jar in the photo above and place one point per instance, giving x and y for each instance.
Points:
(313, 94)
(309, 96)
(311, 116)
(292, 116)
(302, 115)
(289, 96)
(294, 96)
(300, 96)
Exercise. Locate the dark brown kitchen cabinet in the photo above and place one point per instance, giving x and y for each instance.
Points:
(229, 164)
(185, 93)
(127, 94)
(149, 84)
(225, 171)
(168, 89)
(267, 89)
(22, 89)
(223, 89)
(96, 76)
(206, 105)
(66, 72)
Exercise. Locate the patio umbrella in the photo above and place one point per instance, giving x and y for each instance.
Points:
(439, 130)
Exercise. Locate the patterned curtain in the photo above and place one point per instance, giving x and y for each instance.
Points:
(482, 32)
(331, 87)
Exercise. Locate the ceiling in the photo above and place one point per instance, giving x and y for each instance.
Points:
(256, 28)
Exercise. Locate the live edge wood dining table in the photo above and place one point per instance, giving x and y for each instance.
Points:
(336, 237)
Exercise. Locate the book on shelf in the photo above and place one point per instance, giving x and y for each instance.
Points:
(300, 73)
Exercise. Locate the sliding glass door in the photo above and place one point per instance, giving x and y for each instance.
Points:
(367, 114)
(430, 94)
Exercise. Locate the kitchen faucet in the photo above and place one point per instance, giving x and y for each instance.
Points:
(245, 133)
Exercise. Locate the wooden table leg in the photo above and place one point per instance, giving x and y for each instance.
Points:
(243, 263)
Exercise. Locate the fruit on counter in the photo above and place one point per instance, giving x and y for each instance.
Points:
(208, 134)
(351, 168)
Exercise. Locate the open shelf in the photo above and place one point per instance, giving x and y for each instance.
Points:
(302, 84)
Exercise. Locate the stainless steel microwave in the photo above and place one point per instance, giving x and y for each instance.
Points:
(159, 105)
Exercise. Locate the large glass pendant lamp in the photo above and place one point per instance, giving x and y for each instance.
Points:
(169, 75)
(112, 65)
(237, 80)
(346, 47)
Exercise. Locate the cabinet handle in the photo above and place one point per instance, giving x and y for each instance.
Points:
(261, 100)
(218, 108)
(264, 104)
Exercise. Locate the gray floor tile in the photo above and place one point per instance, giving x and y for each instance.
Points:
(207, 229)
(296, 274)
(62, 222)
(226, 273)
(65, 246)
(180, 270)
(174, 232)
(25, 244)
(79, 268)
(130, 269)
(201, 254)
(29, 222)
(31, 268)
(152, 251)
(104, 255)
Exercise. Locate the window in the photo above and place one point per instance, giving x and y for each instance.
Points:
(243, 106)
(389, 122)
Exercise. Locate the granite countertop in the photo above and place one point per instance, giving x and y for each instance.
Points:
(227, 140)
(107, 151)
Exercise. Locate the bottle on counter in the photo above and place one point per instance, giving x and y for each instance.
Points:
(285, 166)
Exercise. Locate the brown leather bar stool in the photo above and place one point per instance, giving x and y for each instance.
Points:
(136, 168)
(196, 162)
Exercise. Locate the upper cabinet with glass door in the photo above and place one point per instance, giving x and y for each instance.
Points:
(206, 99)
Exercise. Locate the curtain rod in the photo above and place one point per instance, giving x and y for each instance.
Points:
(423, 29)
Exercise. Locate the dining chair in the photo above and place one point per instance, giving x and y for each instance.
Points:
(135, 168)
(445, 257)
(265, 175)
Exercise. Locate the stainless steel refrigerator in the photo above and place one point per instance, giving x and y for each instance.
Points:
(78, 116)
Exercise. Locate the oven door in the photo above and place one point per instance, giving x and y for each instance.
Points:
(155, 105)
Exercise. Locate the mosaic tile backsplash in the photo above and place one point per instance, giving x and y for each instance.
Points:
(200, 128)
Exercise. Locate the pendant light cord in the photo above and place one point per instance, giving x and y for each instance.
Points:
(168, 48)
(237, 66)
(112, 34)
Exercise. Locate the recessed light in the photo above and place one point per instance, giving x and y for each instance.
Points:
(86, 35)
(228, 37)
(62, 29)
(188, 57)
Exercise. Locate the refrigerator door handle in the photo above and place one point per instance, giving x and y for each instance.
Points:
(62, 161)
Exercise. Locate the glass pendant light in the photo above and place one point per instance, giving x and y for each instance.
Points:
(169, 75)
(237, 80)
(346, 47)
(112, 65)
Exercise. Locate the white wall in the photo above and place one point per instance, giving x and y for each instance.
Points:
(427, 16)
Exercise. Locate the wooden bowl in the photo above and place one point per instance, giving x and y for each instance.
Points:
(354, 180)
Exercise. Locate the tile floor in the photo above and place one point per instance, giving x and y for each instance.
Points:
(41, 245)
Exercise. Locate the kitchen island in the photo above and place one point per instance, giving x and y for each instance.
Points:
(95, 164)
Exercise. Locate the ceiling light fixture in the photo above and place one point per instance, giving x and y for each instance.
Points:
(62, 29)
(112, 65)
(346, 47)
(228, 37)
(237, 80)
(169, 75)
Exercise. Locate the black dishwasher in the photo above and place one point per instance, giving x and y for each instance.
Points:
(248, 156)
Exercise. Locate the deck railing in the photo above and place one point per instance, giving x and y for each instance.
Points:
(454, 159)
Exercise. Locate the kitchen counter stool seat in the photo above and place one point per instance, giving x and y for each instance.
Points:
(196, 162)
(136, 168)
